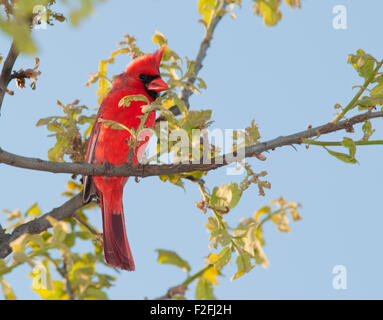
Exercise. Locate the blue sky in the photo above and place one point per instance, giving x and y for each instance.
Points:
(286, 78)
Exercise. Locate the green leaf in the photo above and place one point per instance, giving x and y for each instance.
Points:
(20, 32)
(36, 241)
(115, 125)
(204, 290)
(252, 134)
(350, 144)
(19, 257)
(201, 83)
(3, 264)
(83, 11)
(180, 105)
(366, 102)
(263, 210)
(363, 63)
(174, 179)
(253, 246)
(44, 121)
(7, 290)
(367, 130)
(211, 275)
(236, 194)
(57, 152)
(58, 292)
(218, 235)
(59, 232)
(196, 120)
(34, 210)
(206, 9)
(18, 245)
(82, 270)
(269, 10)
(342, 156)
(70, 240)
(243, 264)
(12, 215)
(197, 174)
(171, 257)
(127, 100)
(103, 83)
(159, 38)
(377, 90)
(226, 196)
(54, 126)
(293, 3)
(221, 259)
(93, 292)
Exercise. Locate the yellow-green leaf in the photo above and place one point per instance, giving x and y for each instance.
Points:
(227, 196)
(243, 265)
(171, 257)
(58, 292)
(211, 275)
(204, 289)
(159, 38)
(206, 9)
(377, 90)
(269, 10)
(221, 259)
(127, 100)
(7, 290)
(34, 210)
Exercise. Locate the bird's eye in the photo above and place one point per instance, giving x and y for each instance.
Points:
(147, 78)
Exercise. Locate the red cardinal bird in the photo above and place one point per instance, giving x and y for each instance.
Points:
(108, 145)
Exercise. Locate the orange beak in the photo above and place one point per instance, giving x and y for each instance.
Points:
(158, 85)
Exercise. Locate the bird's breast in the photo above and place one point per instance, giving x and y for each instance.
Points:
(112, 143)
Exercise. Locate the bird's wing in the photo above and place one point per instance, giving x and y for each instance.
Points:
(89, 188)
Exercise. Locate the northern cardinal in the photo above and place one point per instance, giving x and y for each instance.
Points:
(109, 145)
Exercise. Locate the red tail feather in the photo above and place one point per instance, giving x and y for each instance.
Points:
(116, 246)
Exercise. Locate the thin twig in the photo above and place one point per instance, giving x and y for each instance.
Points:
(64, 274)
(181, 288)
(6, 71)
(362, 89)
(339, 143)
(201, 55)
(87, 226)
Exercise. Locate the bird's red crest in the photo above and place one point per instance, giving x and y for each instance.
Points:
(149, 63)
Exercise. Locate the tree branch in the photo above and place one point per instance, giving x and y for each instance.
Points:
(201, 55)
(68, 208)
(145, 170)
(40, 224)
(64, 274)
(5, 76)
(87, 226)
